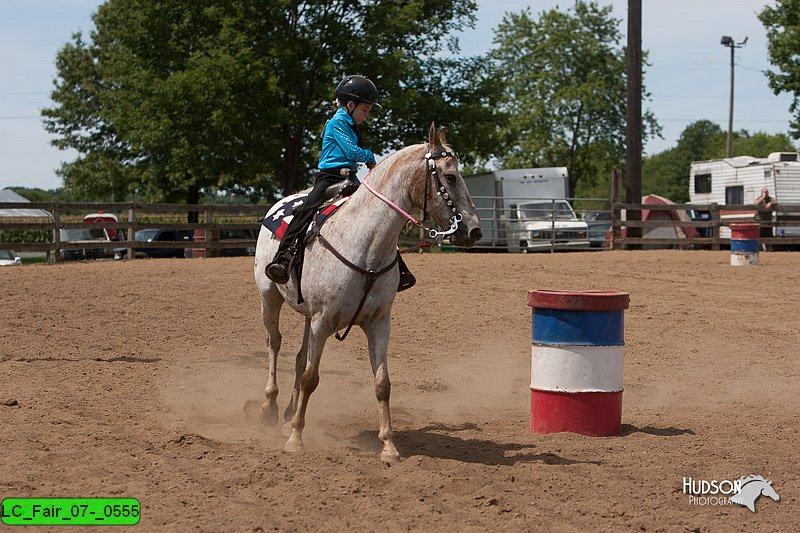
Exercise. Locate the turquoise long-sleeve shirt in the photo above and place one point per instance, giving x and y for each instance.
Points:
(340, 144)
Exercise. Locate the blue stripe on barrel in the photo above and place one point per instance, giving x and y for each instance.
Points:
(746, 246)
(578, 328)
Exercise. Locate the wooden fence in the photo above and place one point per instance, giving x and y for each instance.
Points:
(214, 219)
(784, 227)
(133, 216)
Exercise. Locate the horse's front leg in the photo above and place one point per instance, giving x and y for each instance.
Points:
(378, 338)
(308, 384)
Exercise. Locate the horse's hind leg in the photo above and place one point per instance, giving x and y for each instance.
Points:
(271, 302)
(308, 384)
(299, 367)
(378, 338)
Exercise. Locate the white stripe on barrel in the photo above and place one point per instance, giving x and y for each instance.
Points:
(744, 244)
(577, 346)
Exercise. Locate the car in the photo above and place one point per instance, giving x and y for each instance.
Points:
(158, 235)
(238, 234)
(701, 216)
(547, 225)
(9, 258)
(89, 237)
(599, 223)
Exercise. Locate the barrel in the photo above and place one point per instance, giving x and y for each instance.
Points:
(577, 346)
(744, 244)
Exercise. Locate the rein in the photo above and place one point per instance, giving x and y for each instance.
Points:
(372, 275)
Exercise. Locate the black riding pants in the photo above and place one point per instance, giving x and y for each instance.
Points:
(303, 216)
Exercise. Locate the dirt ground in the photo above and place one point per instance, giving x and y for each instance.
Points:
(130, 379)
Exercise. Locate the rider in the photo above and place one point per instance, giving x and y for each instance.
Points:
(342, 150)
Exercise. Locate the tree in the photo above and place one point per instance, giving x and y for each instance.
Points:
(667, 173)
(565, 92)
(171, 98)
(782, 22)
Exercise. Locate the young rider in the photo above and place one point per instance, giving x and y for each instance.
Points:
(342, 150)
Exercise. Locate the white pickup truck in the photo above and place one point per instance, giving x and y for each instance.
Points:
(543, 225)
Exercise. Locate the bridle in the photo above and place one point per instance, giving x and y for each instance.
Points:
(431, 175)
(371, 275)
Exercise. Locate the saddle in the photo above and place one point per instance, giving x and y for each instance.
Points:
(281, 214)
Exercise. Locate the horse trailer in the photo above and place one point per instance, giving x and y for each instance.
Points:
(739, 180)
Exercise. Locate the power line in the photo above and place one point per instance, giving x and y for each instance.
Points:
(749, 120)
(708, 97)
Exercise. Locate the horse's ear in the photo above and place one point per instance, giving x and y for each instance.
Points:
(441, 134)
(433, 140)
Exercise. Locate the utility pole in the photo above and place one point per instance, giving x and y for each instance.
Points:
(728, 41)
(633, 118)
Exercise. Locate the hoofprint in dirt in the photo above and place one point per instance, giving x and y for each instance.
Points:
(130, 379)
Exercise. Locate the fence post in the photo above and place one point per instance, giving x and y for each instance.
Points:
(552, 226)
(615, 184)
(131, 231)
(210, 251)
(56, 233)
(713, 211)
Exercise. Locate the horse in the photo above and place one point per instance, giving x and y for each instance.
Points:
(751, 488)
(349, 273)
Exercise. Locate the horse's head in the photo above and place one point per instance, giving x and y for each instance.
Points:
(445, 195)
(768, 491)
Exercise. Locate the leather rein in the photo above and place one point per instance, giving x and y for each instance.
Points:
(371, 275)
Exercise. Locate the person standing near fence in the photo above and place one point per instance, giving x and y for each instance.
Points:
(766, 205)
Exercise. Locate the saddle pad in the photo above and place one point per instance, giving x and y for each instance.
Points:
(281, 214)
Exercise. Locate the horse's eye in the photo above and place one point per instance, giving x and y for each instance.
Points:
(451, 178)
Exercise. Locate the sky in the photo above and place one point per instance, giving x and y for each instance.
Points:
(689, 76)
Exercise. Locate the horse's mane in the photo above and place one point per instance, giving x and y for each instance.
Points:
(748, 479)
(401, 167)
(397, 163)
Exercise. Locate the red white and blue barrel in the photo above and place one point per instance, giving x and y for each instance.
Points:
(744, 244)
(577, 346)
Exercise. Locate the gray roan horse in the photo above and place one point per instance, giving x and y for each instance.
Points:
(364, 232)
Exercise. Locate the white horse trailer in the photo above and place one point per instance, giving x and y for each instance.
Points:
(739, 180)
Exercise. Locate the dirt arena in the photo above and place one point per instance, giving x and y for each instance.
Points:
(128, 379)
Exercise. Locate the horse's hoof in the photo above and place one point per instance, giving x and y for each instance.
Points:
(287, 429)
(294, 445)
(269, 414)
(390, 459)
(252, 412)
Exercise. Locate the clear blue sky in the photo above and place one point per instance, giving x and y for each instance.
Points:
(688, 79)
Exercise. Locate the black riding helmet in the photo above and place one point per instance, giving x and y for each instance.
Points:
(357, 88)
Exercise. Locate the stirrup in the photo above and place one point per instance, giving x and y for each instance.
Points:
(279, 270)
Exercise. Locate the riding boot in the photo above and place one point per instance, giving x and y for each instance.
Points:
(407, 279)
(279, 269)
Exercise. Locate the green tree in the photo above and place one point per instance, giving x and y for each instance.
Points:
(782, 22)
(173, 98)
(565, 76)
(667, 173)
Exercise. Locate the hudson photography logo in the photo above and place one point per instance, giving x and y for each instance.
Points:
(743, 491)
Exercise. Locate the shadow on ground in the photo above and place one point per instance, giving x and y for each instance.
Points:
(441, 442)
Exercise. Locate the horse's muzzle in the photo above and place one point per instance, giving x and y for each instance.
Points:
(475, 234)
(467, 237)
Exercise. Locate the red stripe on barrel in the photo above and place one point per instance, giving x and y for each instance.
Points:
(579, 300)
(741, 232)
(596, 414)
